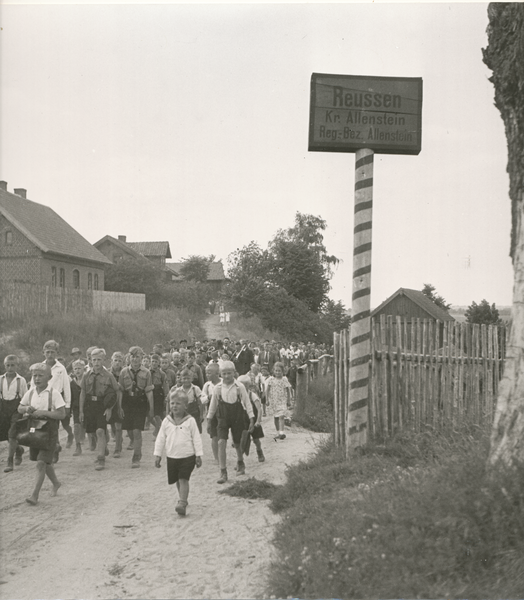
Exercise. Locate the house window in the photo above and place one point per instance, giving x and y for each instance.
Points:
(76, 279)
(62, 278)
(96, 281)
(53, 276)
(8, 238)
(89, 281)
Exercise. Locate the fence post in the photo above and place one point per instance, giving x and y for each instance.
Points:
(302, 387)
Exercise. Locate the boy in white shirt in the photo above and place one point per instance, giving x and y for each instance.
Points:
(229, 401)
(12, 387)
(180, 438)
(36, 403)
(212, 374)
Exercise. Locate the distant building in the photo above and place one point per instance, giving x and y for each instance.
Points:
(411, 304)
(37, 246)
(216, 276)
(118, 249)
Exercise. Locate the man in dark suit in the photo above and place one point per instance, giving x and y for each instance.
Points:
(267, 358)
(243, 357)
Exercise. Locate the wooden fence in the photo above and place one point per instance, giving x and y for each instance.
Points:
(22, 299)
(424, 373)
(312, 369)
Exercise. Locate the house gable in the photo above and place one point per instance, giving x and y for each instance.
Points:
(411, 304)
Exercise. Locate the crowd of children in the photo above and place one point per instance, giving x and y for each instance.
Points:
(226, 385)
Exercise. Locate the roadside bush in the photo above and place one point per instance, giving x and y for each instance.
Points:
(318, 409)
(441, 527)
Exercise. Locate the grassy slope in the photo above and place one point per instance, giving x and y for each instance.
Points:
(112, 331)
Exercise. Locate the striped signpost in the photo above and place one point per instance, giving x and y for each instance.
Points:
(364, 115)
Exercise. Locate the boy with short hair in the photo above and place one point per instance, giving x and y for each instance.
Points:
(213, 377)
(36, 403)
(117, 415)
(180, 438)
(61, 383)
(98, 395)
(229, 401)
(168, 370)
(12, 388)
(137, 400)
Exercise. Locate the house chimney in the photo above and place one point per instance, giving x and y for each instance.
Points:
(20, 192)
(122, 238)
(3, 185)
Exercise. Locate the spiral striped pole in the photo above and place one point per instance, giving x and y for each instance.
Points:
(360, 348)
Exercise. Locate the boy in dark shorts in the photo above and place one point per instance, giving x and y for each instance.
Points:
(36, 403)
(98, 395)
(12, 388)
(79, 368)
(160, 391)
(137, 400)
(258, 433)
(229, 401)
(180, 438)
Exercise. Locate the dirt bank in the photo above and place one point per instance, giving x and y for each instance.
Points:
(114, 533)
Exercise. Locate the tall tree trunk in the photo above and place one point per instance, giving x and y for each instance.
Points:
(505, 57)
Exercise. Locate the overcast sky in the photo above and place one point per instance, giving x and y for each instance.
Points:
(189, 123)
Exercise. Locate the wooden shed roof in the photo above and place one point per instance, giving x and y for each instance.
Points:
(420, 300)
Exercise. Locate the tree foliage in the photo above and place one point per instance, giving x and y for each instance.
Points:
(430, 292)
(287, 283)
(483, 314)
(196, 267)
(133, 276)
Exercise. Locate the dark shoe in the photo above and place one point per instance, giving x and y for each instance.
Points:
(181, 508)
(241, 468)
(131, 446)
(282, 436)
(100, 465)
(116, 455)
(78, 450)
(70, 440)
(18, 456)
(135, 465)
(261, 457)
(9, 467)
(223, 476)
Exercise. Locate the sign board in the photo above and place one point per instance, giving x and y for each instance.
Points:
(351, 112)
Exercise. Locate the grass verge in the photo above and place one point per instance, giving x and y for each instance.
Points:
(252, 489)
(414, 517)
(318, 409)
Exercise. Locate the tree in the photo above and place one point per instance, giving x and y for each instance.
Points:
(335, 314)
(483, 314)
(504, 55)
(429, 291)
(299, 262)
(196, 268)
(134, 276)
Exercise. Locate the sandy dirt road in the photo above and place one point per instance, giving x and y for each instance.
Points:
(115, 534)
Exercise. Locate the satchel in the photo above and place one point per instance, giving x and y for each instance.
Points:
(35, 433)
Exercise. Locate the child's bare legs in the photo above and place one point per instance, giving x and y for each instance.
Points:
(279, 426)
(11, 455)
(118, 439)
(260, 454)
(183, 492)
(214, 447)
(130, 436)
(101, 435)
(43, 469)
(182, 486)
(240, 454)
(222, 453)
(78, 431)
(137, 446)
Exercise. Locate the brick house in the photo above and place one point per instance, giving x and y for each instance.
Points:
(37, 246)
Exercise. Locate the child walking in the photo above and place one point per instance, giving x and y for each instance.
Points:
(278, 394)
(43, 402)
(258, 433)
(181, 440)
